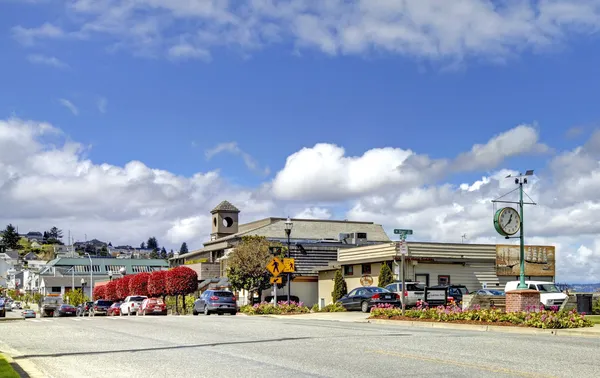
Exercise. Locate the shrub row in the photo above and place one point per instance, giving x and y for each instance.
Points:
(537, 318)
(177, 281)
(282, 308)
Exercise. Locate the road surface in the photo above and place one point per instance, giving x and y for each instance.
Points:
(239, 346)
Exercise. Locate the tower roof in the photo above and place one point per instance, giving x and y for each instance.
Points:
(225, 206)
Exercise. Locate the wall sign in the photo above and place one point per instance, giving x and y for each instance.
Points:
(436, 297)
(366, 280)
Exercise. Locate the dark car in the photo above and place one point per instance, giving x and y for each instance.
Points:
(84, 309)
(455, 292)
(364, 298)
(282, 298)
(215, 301)
(66, 310)
(101, 307)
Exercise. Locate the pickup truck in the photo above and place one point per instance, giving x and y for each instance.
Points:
(132, 304)
(50, 306)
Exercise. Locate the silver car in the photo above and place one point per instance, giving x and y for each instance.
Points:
(415, 291)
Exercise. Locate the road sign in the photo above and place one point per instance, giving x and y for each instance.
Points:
(403, 248)
(276, 280)
(399, 231)
(275, 266)
(289, 265)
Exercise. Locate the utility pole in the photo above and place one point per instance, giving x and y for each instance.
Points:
(403, 252)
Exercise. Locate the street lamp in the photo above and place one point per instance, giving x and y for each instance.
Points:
(288, 230)
(91, 274)
(110, 275)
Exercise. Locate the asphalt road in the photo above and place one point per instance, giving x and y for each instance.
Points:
(238, 346)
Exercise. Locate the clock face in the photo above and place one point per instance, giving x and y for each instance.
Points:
(509, 221)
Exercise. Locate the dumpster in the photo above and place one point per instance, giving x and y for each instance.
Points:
(584, 303)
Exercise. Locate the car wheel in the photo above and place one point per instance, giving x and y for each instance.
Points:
(233, 313)
(194, 312)
(364, 307)
(206, 312)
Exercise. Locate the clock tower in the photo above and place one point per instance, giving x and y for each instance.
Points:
(224, 220)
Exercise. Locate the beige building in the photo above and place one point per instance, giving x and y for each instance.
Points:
(473, 265)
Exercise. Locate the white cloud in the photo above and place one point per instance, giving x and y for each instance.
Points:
(426, 29)
(233, 148)
(185, 51)
(69, 105)
(47, 60)
(47, 181)
(102, 104)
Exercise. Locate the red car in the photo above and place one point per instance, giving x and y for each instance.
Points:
(114, 309)
(154, 306)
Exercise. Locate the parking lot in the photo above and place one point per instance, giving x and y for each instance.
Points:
(233, 346)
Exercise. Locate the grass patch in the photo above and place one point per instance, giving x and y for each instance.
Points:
(6, 371)
(595, 319)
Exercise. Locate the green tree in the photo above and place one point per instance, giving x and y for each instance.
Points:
(248, 265)
(183, 249)
(339, 286)
(76, 297)
(152, 243)
(11, 237)
(143, 245)
(163, 253)
(170, 255)
(386, 276)
(55, 233)
(154, 254)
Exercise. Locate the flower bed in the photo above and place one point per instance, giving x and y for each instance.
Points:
(534, 317)
(282, 308)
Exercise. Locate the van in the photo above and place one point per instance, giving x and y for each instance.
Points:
(550, 295)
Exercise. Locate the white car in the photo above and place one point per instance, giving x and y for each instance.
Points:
(550, 295)
(132, 304)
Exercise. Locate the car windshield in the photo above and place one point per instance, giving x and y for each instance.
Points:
(377, 290)
(463, 290)
(104, 303)
(548, 288)
(137, 299)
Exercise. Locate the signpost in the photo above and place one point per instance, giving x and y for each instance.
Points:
(276, 280)
(289, 265)
(403, 252)
(275, 267)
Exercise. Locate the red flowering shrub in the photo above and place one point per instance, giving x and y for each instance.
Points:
(181, 280)
(110, 291)
(99, 292)
(157, 283)
(123, 287)
(138, 284)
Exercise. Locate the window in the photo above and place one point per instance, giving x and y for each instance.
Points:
(392, 287)
(366, 268)
(443, 280)
(114, 268)
(55, 289)
(348, 270)
(141, 269)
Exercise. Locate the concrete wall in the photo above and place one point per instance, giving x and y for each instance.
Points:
(205, 270)
(325, 287)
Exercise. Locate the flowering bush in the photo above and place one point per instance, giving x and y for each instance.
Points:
(282, 308)
(383, 305)
(157, 283)
(181, 280)
(123, 287)
(110, 291)
(138, 284)
(334, 307)
(100, 292)
(534, 317)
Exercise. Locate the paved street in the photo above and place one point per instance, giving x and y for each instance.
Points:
(238, 346)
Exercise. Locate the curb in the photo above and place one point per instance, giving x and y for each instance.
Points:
(25, 368)
(10, 319)
(488, 328)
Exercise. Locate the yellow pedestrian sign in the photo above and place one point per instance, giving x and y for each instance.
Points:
(276, 280)
(289, 265)
(275, 266)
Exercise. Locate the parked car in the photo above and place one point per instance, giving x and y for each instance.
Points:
(100, 307)
(489, 292)
(28, 314)
(282, 298)
(153, 306)
(550, 295)
(2, 307)
(84, 309)
(455, 292)
(16, 305)
(132, 304)
(364, 298)
(8, 305)
(215, 301)
(66, 310)
(415, 291)
(114, 309)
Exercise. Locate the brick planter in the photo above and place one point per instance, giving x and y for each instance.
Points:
(521, 300)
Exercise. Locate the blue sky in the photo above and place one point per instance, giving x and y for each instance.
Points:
(164, 85)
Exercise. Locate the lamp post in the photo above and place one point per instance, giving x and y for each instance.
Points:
(288, 232)
(110, 275)
(91, 274)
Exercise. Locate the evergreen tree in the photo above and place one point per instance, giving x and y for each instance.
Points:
(386, 276)
(55, 233)
(154, 254)
(152, 244)
(11, 237)
(170, 255)
(163, 253)
(339, 287)
(183, 249)
(143, 245)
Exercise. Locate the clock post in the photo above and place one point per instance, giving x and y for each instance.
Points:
(522, 284)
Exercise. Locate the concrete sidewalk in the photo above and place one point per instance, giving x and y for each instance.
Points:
(358, 317)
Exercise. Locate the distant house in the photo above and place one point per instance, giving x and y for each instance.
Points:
(30, 256)
(35, 244)
(34, 236)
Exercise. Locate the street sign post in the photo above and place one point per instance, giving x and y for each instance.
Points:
(275, 266)
(276, 280)
(402, 233)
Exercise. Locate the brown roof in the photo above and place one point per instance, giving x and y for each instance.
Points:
(225, 206)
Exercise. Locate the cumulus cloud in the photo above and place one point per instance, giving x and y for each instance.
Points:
(426, 29)
(46, 180)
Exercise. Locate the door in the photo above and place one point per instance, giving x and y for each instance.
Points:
(347, 300)
(357, 299)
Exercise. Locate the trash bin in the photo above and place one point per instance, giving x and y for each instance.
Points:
(584, 303)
